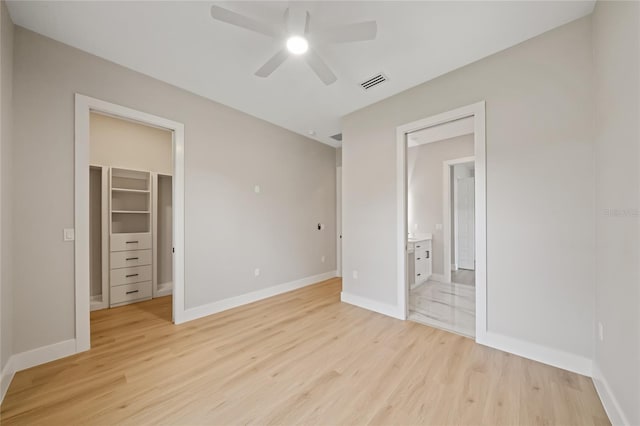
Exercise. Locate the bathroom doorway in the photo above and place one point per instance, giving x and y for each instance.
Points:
(444, 221)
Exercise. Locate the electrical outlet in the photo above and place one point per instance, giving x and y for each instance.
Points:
(256, 189)
(322, 259)
(355, 275)
(256, 272)
(600, 331)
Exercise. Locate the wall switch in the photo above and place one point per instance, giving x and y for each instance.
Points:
(69, 234)
(320, 226)
(600, 331)
(322, 259)
(256, 189)
(256, 272)
(438, 227)
(355, 275)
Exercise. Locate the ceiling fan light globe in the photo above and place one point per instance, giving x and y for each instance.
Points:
(297, 45)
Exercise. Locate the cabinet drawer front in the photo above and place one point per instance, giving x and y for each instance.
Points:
(130, 275)
(126, 259)
(124, 242)
(130, 292)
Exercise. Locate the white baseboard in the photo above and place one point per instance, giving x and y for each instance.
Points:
(438, 277)
(372, 305)
(33, 357)
(454, 267)
(254, 296)
(554, 357)
(7, 376)
(609, 401)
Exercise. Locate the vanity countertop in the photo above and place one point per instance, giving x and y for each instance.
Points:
(424, 237)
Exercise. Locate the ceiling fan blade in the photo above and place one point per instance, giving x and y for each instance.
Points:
(273, 63)
(360, 31)
(307, 18)
(286, 19)
(233, 18)
(318, 66)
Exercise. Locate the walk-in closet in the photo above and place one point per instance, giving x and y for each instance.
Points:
(131, 223)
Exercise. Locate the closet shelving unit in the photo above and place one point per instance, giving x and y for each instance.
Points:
(131, 258)
(131, 237)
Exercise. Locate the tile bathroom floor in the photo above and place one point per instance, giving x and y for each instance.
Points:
(448, 306)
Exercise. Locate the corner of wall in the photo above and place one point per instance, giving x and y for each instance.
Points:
(607, 397)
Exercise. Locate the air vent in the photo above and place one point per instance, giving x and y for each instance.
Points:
(373, 81)
(337, 137)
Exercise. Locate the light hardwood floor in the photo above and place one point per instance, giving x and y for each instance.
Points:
(298, 358)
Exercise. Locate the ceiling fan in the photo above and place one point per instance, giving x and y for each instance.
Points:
(299, 40)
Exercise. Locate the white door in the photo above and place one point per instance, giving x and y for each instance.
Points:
(339, 221)
(466, 223)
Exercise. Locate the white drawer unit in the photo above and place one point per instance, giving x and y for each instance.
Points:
(422, 256)
(127, 242)
(128, 293)
(127, 259)
(130, 275)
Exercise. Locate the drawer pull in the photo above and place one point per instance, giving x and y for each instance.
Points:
(427, 254)
(132, 258)
(418, 246)
(131, 275)
(418, 258)
(132, 242)
(132, 291)
(419, 274)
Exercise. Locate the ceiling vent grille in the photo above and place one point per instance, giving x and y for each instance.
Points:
(337, 137)
(374, 81)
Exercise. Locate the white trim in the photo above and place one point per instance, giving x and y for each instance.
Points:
(477, 111)
(440, 278)
(33, 357)
(7, 376)
(339, 221)
(446, 212)
(254, 296)
(372, 305)
(544, 354)
(83, 106)
(609, 401)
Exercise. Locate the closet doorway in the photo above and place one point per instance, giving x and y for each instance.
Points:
(129, 215)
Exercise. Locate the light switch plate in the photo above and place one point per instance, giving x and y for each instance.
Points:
(69, 234)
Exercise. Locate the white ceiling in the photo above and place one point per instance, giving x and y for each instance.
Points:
(179, 43)
(452, 129)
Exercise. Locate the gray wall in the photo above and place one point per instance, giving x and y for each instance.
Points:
(6, 90)
(424, 184)
(540, 240)
(617, 146)
(229, 229)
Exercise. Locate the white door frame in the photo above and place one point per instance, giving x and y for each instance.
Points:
(477, 111)
(446, 210)
(339, 221)
(83, 106)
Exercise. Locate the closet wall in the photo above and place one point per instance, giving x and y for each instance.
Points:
(120, 143)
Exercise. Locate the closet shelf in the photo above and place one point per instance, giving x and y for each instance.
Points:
(131, 211)
(139, 191)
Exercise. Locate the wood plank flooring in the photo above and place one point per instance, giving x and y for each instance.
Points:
(298, 358)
